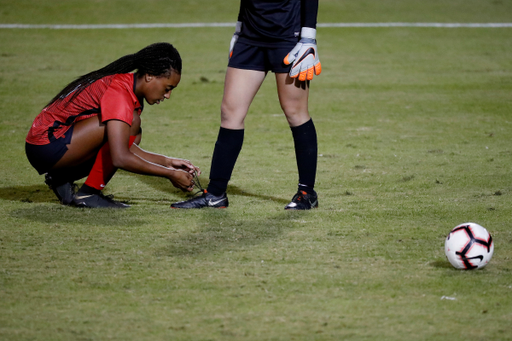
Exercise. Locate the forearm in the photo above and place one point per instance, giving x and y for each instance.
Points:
(180, 178)
(242, 5)
(151, 157)
(126, 158)
(166, 161)
(134, 163)
(309, 13)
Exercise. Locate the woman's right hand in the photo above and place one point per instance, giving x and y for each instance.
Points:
(182, 179)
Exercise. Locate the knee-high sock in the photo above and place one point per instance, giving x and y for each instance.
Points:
(103, 169)
(227, 148)
(306, 152)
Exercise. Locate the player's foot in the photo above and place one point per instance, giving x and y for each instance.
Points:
(97, 201)
(303, 201)
(65, 192)
(204, 200)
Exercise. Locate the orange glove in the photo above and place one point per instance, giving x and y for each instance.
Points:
(304, 56)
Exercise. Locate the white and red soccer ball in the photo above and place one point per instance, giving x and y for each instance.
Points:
(469, 246)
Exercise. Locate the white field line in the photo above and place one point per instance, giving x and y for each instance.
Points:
(418, 24)
(229, 24)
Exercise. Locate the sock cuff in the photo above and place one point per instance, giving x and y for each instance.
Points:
(303, 128)
(86, 189)
(307, 188)
(230, 135)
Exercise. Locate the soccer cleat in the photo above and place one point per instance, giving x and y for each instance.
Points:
(97, 201)
(204, 200)
(303, 201)
(64, 192)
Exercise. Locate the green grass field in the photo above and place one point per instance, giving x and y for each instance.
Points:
(415, 137)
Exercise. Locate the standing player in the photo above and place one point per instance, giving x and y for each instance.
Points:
(277, 36)
(92, 128)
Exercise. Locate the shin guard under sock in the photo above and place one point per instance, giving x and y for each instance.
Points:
(103, 169)
(306, 153)
(227, 148)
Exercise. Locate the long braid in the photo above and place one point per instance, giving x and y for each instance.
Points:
(157, 59)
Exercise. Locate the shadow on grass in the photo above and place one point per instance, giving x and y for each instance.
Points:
(34, 193)
(58, 214)
(221, 233)
(161, 184)
(237, 191)
(42, 194)
(216, 230)
(442, 264)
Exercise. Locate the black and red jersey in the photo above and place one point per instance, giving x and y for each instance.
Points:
(111, 97)
(269, 23)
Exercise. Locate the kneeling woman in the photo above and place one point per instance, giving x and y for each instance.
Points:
(92, 128)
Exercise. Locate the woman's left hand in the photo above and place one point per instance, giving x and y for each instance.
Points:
(183, 164)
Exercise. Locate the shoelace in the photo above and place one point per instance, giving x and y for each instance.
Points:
(74, 188)
(197, 184)
(300, 196)
(109, 197)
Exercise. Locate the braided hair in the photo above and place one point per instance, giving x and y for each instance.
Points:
(158, 60)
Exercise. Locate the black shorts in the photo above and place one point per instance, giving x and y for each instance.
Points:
(250, 57)
(44, 157)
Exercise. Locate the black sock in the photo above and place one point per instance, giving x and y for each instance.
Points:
(71, 174)
(306, 152)
(88, 190)
(307, 189)
(227, 148)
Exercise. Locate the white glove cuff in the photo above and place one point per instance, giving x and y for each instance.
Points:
(238, 27)
(308, 32)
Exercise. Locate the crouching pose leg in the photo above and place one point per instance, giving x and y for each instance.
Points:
(93, 127)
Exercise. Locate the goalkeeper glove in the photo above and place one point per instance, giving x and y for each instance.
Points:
(304, 56)
(235, 37)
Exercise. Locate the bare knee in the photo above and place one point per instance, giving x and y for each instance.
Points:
(296, 115)
(135, 129)
(293, 97)
(232, 117)
(138, 138)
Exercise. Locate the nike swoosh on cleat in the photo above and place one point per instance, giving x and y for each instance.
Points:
(313, 204)
(213, 203)
(84, 197)
(307, 53)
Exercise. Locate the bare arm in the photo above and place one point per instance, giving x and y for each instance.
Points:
(163, 160)
(118, 134)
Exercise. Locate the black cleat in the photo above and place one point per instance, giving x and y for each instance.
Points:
(65, 192)
(303, 201)
(97, 201)
(204, 200)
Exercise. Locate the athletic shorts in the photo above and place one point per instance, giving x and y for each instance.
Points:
(250, 57)
(44, 157)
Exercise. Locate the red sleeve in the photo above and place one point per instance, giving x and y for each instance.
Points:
(118, 102)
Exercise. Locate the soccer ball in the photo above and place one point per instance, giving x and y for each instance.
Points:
(469, 246)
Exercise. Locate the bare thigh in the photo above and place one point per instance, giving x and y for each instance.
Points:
(293, 97)
(240, 87)
(88, 137)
